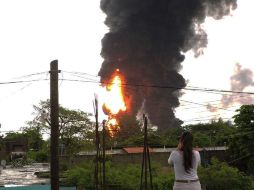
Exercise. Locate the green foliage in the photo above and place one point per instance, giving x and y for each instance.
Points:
(241, 145)
(220, 176)
(80, 176)
(42, 174)
(64, 165)
(75, 126)
(154, 140)
(163, 181)
(171, 136)
(135, 140)
(217, 176)
(121, 177)
(14, 136)
(38, 156)
(34, 137)
(31, 136)
(201, 140)
(215, 133)
(245, 117)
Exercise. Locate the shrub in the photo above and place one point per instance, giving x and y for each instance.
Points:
(123, 177)
(163, 181)
(120, 177)
(220, 176)
(217, 176)
(38, 156)
(80, 176)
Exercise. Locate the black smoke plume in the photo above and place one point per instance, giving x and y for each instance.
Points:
(147, 40)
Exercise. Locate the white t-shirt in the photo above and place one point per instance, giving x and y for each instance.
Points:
(176, 159)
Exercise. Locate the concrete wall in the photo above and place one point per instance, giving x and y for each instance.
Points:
(159, 156)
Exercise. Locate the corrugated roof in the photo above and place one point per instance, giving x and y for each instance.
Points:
(133, 150)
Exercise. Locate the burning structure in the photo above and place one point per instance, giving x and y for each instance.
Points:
(147, 40)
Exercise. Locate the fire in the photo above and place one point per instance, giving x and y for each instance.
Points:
(114, 103)
(112, 126)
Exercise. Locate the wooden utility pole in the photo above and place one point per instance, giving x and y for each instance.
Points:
(54, 113)
(96, 172)
(146, 160)
(103, 156)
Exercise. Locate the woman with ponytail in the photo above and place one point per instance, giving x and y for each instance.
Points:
(185, 161)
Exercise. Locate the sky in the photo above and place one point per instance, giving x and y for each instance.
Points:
(35, 32)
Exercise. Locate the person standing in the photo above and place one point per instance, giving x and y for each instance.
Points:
(185, 161)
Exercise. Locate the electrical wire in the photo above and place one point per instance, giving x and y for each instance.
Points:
(30, 75)
(206, 105)
(80, 73)
(190, 88)
(22, 81)
(164, 87)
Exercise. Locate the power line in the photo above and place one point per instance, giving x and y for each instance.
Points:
(190, 88)
(30, 75)
(80, 73)
(209, 119)
(22, 81)
(218, 100)
(87, 78)
(206, 105)
(22, 88)
(163, 87)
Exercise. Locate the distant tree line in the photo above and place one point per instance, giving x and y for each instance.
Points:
(77, 134)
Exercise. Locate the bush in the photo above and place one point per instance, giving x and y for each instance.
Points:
(128, 177)
(38, 156)
(163, 181)
(80, 176)
(220, 176)
(42, 174)
(124, 177)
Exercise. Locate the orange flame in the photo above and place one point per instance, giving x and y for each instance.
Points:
(114, 103)
(112, 126)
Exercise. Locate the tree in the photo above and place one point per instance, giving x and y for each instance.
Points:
(242, 142)
(171, 136)
(215, 133)
(34, 138)
(219, 175)
(75, 126)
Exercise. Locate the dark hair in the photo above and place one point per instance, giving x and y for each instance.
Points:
(186, 142)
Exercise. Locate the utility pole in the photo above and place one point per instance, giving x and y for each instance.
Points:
(146, 158)
(96, 172)
(54, 113)
(103, 156)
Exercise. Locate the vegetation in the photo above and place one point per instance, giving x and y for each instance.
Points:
(218, 176)
(241, 144)
(76, 130)
(122, 177)
(77, 134)
(215, 133)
